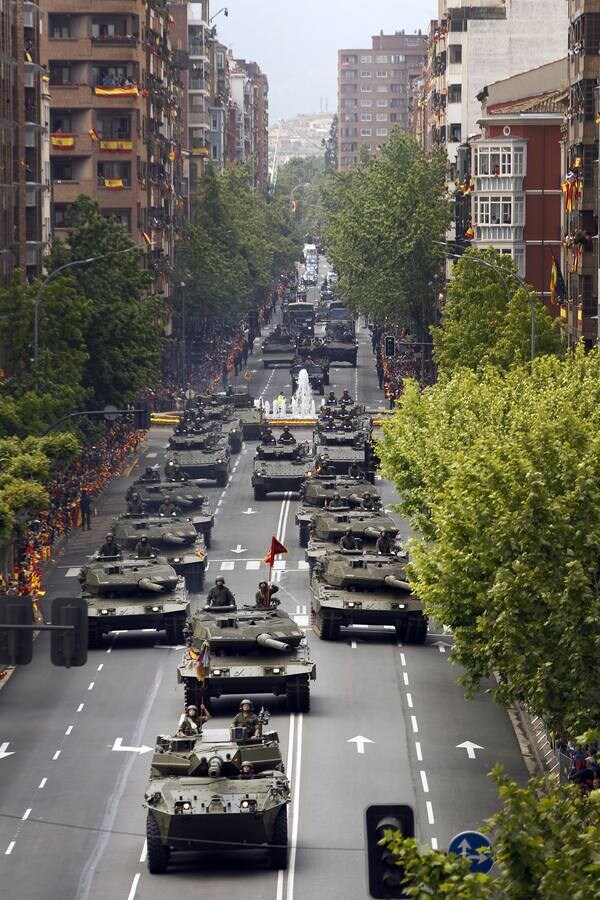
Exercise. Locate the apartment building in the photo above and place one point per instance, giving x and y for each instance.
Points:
(373, 92)
(250, 117)
(24, 154)
(580, 174)
(115, 103)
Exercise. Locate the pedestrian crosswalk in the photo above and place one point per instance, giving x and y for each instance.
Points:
(253, 565)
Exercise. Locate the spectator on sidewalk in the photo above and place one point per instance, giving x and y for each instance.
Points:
(85, 507)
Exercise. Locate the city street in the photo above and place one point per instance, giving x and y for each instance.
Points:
(387, 723)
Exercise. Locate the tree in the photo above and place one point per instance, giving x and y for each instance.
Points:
(500, 474)
(545, 840)
(487, 318)
(384, 218)
(123, 333)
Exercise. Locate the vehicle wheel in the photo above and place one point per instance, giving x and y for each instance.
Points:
(157, 858)
(94, 636)
(221, 479)
(278, 850)
(259, 492)
(401, 628)
(304, 534)
(416, 631)
(326, 625)
(298, 694)
(174, 628)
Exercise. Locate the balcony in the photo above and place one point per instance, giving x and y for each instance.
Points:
(121, 40)
(495, 184)
(200, 85)
(197, 119)
(489, 234)
(198, 51)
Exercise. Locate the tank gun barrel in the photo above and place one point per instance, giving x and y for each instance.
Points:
(265, 640)
(147, 585)
(392, 581)
(181, 500)
(170, 538)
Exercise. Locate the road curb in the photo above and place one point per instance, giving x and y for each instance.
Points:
(532, 739)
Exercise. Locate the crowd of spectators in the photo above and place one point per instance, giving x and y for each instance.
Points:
(580, 763)
(392, 371)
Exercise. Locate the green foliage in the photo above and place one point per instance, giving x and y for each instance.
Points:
(500, 474)
(545, 841)
(487, 317)
(309, 178)
(383, 219)
(123, 332)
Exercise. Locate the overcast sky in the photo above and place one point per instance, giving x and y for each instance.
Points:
(296, 43)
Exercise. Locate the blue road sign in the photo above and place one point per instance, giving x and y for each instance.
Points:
(475, 847)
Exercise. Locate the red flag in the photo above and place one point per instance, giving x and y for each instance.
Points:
(276, 547)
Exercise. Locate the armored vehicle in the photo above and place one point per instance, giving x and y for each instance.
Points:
(250, 651)
(318, 492)
(328, 526)
(279, 469)
(194, 437)
(341, 435)
(128, 594)
(187, 498)
(339, 350)
(252, 424)
(278, 351)
(337, 458)
(198, 799)
(364, 589)
(174, 538)
(211, 463)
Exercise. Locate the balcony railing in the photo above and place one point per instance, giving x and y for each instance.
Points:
(196, 49)
(508, 233)
(496, 183)
(129, 40)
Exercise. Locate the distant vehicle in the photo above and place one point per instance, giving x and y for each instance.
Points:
(310, 252)
(332, 278)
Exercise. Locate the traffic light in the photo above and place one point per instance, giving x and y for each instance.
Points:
(16, 647)
(69, 648)
(390, 345)
(141, 415)
(385, 877)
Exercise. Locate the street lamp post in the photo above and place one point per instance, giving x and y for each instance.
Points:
(304, 184)
(218, 13)
(38, 298)
(520, 281)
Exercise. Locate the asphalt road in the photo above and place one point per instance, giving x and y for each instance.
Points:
(71, 819)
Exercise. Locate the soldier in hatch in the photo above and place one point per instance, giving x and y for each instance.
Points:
(220, 595)
(247, 718)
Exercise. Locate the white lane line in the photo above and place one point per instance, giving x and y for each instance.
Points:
(418, 751)
(290, 750)
(295, 811)
(228, 565)
(424, 781)
(144, 852)
(26, 815)
(279, 565)
(91, 686)
(9, 849)
(415, 724)
(42, 784)
(405, 677)
(69, 730)
(134, 885)
(301, 621)
(409, 700)
(56, 755)
(80, 707)
(434, 843)
(73, 572)
(109, 650)
(403, 659)
(430, 816)
(303, 566)
(253, 565)
(353, 645)
(100, 667)
(279, 892)
(219, 501)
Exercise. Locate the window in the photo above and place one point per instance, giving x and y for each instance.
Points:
(382, 73)
(397, 103)
(214, 151)
(366, 88)
(108, 75)
(349, 60)
(455, 134)
(382, 88)
(366, 117)
(62, 215)
(214, 123)
(397, 58)
(350, 117)
(104, 30)
(395, 117)
(113, 127)
(499, 210)
(60, 73)
(366, 74)
(381, 59)
(61, 122)
(61, 170)
(366, 103)
(220, 60)
(348, 89)
(455, 54)
(123, 216)
(397, 88)
(59, 27)
(111, 170)
(349, 74)
(365, 132)
(518, 155)
(381, 117)
(454, 93)
(498, 160)
(366, 59)
(382, 132)
(350, 104)
(382, 103)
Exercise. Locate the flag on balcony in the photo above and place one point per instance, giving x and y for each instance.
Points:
(116, 90)
(147, 237)
(93, 134)
(563, 313)
(62, 141)
(580, 315)
(470, 233)
(114, 183)
(558, 290)
(116, 146)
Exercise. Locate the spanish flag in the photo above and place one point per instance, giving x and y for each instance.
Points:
(93, 134)
(116, 91)
(147, 237)
(116, 146)
(114, 183)
(470, 233)
(558, 290)
(62, 141)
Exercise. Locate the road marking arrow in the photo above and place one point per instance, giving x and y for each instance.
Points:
(239, 549)
(440, 645)
(470, 747)
(250, 512)
(118, 746)
(4, 752)
(360, 742)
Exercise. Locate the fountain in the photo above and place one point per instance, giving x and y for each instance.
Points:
(302, 405)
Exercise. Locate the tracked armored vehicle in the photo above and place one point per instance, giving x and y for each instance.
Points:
(337, 458)
(329, 526)
(342, 436)
(133, 594)
(278, 351)
(318, 492)
(278, 469)
(198, 801)
(250, 651)
(364, 589)
(187, 498)
(174, 538)
(211, 463)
